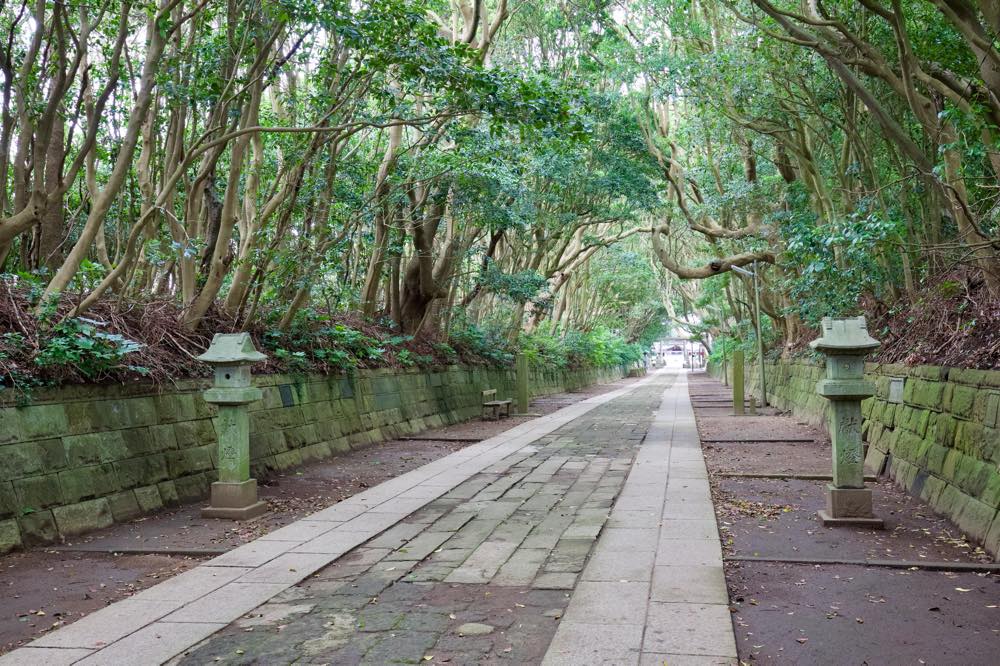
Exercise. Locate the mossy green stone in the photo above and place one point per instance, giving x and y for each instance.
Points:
(148, 498)
(992, 540)
(38, 492)
(962, 400)
(83, 517)
(194, 433)
(10, 536)
(168, 493)
(124, 506)
(30, 458)
(10, 425)
(163, 437)
(87, 482)
(142, 471)
(43, 421)
(8, 499)
(38, 527)
(975, 518)
(192, 488)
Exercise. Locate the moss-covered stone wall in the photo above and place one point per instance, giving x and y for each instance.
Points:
(82, 457)
(936, 432)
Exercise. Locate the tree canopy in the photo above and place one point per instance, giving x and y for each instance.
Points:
(502, 169)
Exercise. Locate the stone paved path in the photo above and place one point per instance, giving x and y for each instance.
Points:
(654, 590)
(471, 559)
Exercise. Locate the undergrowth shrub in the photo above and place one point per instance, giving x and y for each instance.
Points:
(80, 344)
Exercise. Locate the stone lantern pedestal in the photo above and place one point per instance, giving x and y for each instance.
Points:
(846, 342)
(234, 495)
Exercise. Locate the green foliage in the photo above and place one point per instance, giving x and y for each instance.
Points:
(837, 262)
(12, 376)
(487, 342)
(520, 287)
(79, 344)
(599, 348)
(313, 339)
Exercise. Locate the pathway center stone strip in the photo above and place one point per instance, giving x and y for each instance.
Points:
(165, 624)
(654, 591)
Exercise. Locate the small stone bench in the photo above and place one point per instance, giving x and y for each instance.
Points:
(494, 407)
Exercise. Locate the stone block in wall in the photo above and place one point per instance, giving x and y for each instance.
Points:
(944, 430)
(10, 535)
(10, 426)
(194, 433)
(43, 421)
(992, 541)
(83, 417)
(266, 444)
(82, 483)
(340, 445)
(124, 506)
(98, 447)
(300, 436)
(38, 527)
(8, 500)
(193, 487)
(974, 518)
(991, 493)
(905, 445)
(322, 411)
(984, 378)
(288, 459)
(189, 461)
(925, 393)
(902, 471)
(934, 373)
(28, 458)
(875, 436)
(875, 460)
(175, 407)
(316, 452)
(135, 412)
(932, 489)
(74, 519)
(992, 417)
(168, 493)
(328, 429)
(164, 437)
(38, 492)
(971, 439)
(934, 459)
(950, 463)
(971, 475)
(140, 442)
(963, 399)
(950, 501)
(142, 471)
(148, 498)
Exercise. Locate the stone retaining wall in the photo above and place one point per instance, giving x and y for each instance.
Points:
(936, 432)
(82, 457)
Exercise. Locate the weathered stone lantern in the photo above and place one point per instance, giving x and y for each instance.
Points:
(846, 342)
(234, 495)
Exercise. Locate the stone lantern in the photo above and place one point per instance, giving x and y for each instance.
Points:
(234, 495)
(846, 342)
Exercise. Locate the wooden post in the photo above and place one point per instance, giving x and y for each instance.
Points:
(522, 384)
(738, 382)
